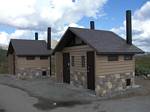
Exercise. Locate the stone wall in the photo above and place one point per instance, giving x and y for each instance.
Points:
(108, 84)
(78, 79)
(31, 73)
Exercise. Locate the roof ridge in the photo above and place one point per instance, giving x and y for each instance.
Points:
(102, 41)
(91, 29)
(25, 40)
(29, 47)
(21, 39)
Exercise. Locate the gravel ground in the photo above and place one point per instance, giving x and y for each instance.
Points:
(45, 95)
(15, 100)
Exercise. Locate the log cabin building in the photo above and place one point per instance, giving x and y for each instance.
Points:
(30, 57)
(96, 59)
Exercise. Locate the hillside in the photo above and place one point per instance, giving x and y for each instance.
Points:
(143, 64)
(143, 61)
(3, 62)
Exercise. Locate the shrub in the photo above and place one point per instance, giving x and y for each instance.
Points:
(139, 70)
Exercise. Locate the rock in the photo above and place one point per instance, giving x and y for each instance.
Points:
(144, 76)
(148, 75)
(109, 84)
(117, 76)
(55, 104)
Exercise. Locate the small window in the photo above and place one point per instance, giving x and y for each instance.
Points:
(72, 60)
(128, 82)
(113, 58)
(128, 57)
(83, 61)
(30, 57)
(44, 73)
(43, 57)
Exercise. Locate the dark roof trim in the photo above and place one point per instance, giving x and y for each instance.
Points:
(53, 52)
(69, 29)
(32, 55)
(118, 53)
(83, 40)
(28, 47)
(10, 45)
(119, 45)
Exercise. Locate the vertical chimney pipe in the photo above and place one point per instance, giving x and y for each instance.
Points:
(92, 25)
(36, 36)
(128, 27)
(49, 38)
(49, 47)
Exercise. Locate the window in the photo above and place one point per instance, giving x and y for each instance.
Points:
(43, 57)
(113, 58)
(72, 60)
(83, 61)
(30, 57)
(128, 82)
(44, 73)
(128, 57)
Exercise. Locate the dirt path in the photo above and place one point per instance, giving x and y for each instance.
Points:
(40, 95)
(15, 100)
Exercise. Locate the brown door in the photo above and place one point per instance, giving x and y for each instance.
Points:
(90, 70)
(66, 68)
(14, 66)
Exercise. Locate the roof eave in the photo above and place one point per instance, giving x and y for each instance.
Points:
(119, 53)
(33, 54)
(56, 47)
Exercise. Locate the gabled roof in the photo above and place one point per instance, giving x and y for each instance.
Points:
(29, 47)
(103, 42)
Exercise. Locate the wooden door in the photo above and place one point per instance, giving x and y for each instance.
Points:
(91, 70)
(66, 68)
(14, 65)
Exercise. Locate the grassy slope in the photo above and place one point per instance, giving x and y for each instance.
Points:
(143, 61)
(3, 62)
(142, 65)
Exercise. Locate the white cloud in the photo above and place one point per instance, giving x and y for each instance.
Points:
(140, 24)
(143, 12)
(4, 38)
(24, 34)
(38, 14)
(31, 15)
(14, 12)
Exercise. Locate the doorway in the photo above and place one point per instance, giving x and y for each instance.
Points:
(66, 68)
(91, 70)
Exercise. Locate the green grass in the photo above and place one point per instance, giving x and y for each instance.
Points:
(3, 62)
(143, 61)
(142, 65)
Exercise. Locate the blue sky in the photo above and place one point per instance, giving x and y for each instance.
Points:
(21, 18)
(114, 13)
(6, 28)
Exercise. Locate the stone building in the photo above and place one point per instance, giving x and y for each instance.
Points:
(30, 57)
(96, 59)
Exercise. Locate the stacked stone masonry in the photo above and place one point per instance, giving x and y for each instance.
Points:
(32, 73)
(108, 84)
(105, 85)
(78, 79)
